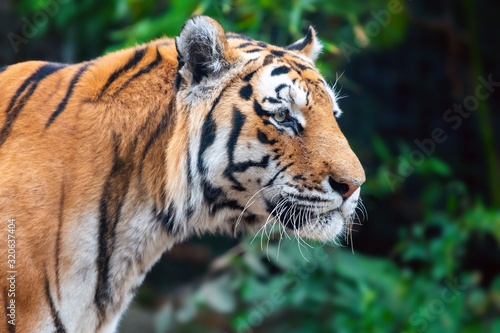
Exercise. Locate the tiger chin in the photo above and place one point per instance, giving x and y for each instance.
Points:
(108, 163)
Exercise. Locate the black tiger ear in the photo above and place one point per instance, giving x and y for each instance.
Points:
(202, 49)
(308, 46)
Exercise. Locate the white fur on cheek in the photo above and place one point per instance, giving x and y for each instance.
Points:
(330, 225)
(349, 206)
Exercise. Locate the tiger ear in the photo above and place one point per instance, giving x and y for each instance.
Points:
(308, 46)
(202, 49)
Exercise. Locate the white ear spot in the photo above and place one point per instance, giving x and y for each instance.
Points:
(308, 46)
(316, 49)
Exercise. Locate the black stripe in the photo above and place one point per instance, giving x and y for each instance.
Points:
(210, 192)
(207, 134)
(162, 126)
(160, 129)
(32, 82)
(35, 77)
(132, 145)
(278, 53)
(111, 202)
(142, 71)
(58, 241)
(253, 50)
(249, 76)
(280, 70)
(243, 45)
(246, 92)
(11, 328)
(189, 171)
(271, 100)
(268, 59)
(259, 110)
(263, 138)
(238, 122)
(134, 60)
(62, 105)
(207, 139)
(298, 128)
(244, 166)
(300, 66)
(167, 218)
(306, 198)
(271, 182)
(58, 325)
(250, 219)
(190, 209)
(281, 86)
(231, 204)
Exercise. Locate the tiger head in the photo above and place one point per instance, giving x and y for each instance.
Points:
(263, 144)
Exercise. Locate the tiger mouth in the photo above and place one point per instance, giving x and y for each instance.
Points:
(295, 215)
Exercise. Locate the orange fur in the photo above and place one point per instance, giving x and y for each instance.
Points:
(64, 136)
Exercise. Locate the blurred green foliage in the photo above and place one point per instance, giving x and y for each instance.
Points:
(433, 272)
(319, 288)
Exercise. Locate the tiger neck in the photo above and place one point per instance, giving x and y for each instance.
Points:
(134, 214)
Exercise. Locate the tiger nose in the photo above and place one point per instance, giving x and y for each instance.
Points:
(345, 189)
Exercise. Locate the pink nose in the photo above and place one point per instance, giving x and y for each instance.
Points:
(352, 189)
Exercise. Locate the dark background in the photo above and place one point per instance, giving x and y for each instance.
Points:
(427, 259)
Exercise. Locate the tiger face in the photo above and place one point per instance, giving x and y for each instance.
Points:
(264, 145)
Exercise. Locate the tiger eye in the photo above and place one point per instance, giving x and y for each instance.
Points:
(280, 116)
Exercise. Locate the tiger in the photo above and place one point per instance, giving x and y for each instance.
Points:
(106, 164)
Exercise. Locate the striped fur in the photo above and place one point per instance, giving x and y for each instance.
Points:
(108, 163)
